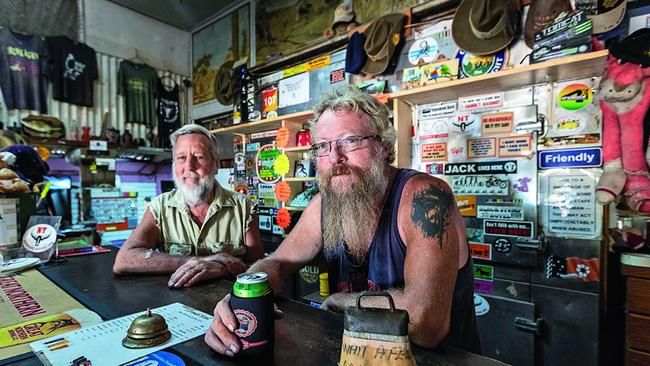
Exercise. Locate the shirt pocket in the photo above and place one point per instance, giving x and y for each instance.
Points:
(175, 248)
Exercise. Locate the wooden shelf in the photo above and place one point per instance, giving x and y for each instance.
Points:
(297, 149)
(291, 208)
(300, 179)
(265, 124)
(566, 68)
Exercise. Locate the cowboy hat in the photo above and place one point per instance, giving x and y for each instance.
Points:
(382, 36)
(223, 83)
(605, 15)
(541, 14)
(485, 26)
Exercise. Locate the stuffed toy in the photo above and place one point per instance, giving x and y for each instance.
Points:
(25, 162)
(624, 100)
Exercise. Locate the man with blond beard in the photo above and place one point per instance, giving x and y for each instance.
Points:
(199, 231)
(379, 227)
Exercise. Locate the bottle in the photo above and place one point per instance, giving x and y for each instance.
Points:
(252, 302)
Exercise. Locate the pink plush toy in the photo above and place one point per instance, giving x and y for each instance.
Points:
(624, 100)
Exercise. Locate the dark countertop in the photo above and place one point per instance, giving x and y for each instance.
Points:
(305, 334)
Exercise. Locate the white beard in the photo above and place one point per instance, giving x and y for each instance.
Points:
(194, 196)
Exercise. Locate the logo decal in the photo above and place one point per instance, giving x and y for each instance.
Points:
(247, 323)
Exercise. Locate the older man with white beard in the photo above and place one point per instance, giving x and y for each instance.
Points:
(199, 231)
(379, 227)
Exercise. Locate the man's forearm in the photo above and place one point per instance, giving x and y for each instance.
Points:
(141, 260)
(273, 269)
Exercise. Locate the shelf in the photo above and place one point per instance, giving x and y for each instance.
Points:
(297, 149)
(300, 179)
(566, 68)
(265, 124)
(291, 208)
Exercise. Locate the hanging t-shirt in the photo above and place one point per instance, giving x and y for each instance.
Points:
(73, 72)
(23, 71)
(168, 112)
(137, 83)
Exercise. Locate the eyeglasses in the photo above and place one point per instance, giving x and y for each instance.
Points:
(345, 144)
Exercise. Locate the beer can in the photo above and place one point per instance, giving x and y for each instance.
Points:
(252, 302)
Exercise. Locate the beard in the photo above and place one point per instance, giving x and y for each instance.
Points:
(348, 216)
(198, 194)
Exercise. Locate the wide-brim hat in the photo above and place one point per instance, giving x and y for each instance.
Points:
(43, 126)
(635, 48)
(382, 36)
(9, 138)
(605, 15)
(541, 14)
(485, 26)
(223, 83)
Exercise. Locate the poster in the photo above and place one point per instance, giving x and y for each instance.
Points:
(571, 209)
(294, 90)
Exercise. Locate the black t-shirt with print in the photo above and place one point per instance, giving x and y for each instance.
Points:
(168, 111)
(137, 82)
(23, 71)
(73, 72)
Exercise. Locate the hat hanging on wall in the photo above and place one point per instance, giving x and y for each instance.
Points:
(541, 14)
(635, 48)
(343, 17)
(485, 26)
(605, 15)
(382, 36)
(355, 55)
(223, 83)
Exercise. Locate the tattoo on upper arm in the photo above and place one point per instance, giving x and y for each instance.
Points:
(432, 211)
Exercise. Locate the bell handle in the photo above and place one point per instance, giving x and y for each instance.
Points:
(376, 294)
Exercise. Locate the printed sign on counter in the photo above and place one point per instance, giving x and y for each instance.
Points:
(434, 152)
(481, 148)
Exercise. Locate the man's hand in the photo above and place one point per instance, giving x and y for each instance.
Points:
(233, 264)
(196, 270)
(221, 335)
(338, 301)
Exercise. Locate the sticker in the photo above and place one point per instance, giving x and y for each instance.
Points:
(473, 65)
(281, 165)
(437, 110)
(240, 161)
(309, 273)
(457, 152)
(161, 358)
(247, 322)
(240, 188)
(515, 146)
(571, 158)
(500, 212)
(435, 168)
(481, 306)
(284, 218)
(495, 123)
(508, 228)
(480, 251)
(574, 97)
(480, 102)
(474, 235)
(264, 134)
(434, 129)
(481, 148)
(483, 272)
(439, 71)
(337, 76)
(269, 101)
(411, 77)
(434, 152)
(572, 205)
(483, 286)
(568, 125)
(282, 138)
(586, 270)
(282, 191)
(253, 146)
(39, 238)
(522, 184)
(488, 167)
(266, 195)
(480, 185)
(464, 123)
(502, 245)
(466, 205)
(423, 51)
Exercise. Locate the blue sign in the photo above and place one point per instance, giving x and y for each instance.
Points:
(160, 358)
(590, 157)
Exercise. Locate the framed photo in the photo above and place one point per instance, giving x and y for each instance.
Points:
(303, 169)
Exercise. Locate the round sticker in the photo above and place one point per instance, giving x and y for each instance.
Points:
(423, 51)
(247, 323)
(502, 245)
(282, 191)
(575, 96)
(510, 167)
(39, 238)
(481, 306)
(281, 165)
(284, 218)
(464, 123)
(472, 65)
(266, 156)
(241, 189)
(572, 124)
(282, 139)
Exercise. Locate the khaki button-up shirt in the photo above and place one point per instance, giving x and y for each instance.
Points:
(223, 231)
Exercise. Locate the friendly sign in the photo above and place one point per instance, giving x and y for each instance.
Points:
(571, 158)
